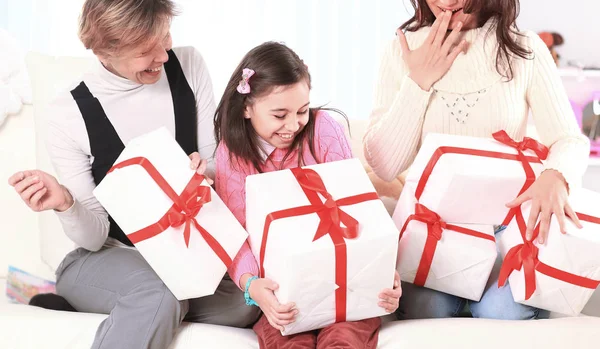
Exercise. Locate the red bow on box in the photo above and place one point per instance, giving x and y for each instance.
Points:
(184, 210)
(435, 228)
(331, 219)
(525, 256)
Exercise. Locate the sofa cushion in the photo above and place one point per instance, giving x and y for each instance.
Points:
(51, 76)
(19, 238)
(30, 327)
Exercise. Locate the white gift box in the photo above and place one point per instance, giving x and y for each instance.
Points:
(467, 188)
(135, 201)
(577, 252)
(305, 269)
(461, 263)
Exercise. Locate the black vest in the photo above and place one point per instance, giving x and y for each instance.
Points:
(105, 144)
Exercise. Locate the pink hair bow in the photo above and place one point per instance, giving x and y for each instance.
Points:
(244, 85)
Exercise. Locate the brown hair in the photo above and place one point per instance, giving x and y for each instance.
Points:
(108, 26)
(503, 12)
(274, 65)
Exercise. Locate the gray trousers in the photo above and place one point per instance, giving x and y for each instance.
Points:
(143, 312)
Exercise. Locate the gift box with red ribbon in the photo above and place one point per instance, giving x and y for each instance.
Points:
(324, 236)
(469, 180)
(453, 258)
(562, 274)
(172, 216)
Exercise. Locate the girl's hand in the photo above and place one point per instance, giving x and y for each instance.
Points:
(389, 299)
(279, 315)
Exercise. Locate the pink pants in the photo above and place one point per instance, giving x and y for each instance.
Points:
(357, 334)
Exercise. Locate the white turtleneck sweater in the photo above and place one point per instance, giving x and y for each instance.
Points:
(133, 109)
(473, 99)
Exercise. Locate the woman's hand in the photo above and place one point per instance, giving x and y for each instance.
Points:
(389, 299)
(199, 165)
(41, 191)
(431, 61)
(549, 195)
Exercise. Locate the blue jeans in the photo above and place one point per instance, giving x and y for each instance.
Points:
(496, 303)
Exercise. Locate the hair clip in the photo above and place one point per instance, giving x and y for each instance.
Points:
(244, 85)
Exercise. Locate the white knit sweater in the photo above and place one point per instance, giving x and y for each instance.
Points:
(473, 99)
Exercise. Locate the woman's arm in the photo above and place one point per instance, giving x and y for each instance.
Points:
(554, 118)
(86, 221)
(395, 124)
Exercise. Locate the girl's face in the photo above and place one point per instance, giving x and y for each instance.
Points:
(279, 116)
(438, 7)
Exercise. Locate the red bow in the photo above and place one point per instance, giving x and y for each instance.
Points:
(525, 256)
(184, 210)
(526, 144)
(187, 214)
(434, 222)
(330, 213)
(435, 228)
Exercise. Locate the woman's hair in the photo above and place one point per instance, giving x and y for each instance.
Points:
(108, 26)
(275, 65)
(503, 12)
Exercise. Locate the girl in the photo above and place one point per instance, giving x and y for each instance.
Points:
(264, 123)
(426, 84)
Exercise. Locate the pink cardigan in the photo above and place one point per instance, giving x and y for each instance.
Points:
(230, 183)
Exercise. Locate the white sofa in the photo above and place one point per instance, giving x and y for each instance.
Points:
(35, 243)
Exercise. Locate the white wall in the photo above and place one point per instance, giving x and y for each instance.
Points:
(578, 21)
(339, 39)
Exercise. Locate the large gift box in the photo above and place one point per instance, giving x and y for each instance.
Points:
(323, 235)
(451, 258)
(469, 180)
(172, 216)
(562, 274)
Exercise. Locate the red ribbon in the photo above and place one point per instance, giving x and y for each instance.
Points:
(525, 256)
(435, 227)
(331, 220)
(526, 144)
(501, 136)
(184, 210)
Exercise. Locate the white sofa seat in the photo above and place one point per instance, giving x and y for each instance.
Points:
(24, 327)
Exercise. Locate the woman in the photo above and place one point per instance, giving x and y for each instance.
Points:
(463, 68)
(126, 96)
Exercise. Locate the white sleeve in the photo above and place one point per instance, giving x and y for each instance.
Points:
(395, 125)
(554, 118)
(86, 222)
(205, 105)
